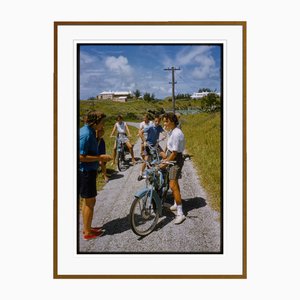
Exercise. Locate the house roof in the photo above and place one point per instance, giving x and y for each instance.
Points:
(115, 93)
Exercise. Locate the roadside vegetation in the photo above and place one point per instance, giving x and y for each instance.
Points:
(203, 143)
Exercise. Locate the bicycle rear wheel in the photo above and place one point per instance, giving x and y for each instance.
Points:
(143, 217)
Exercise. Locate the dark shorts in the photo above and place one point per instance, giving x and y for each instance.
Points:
(175, 171)
(87, 183)
(101, 147)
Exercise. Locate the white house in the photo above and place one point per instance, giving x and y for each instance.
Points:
(120, 99)
(120, 96)
(202, 94)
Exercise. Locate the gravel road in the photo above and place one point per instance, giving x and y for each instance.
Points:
(199, 233)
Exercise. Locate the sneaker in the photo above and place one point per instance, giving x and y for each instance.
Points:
(93, 235)
(179, 219)
(173, 207)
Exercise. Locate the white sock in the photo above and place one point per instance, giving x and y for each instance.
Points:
(179, 210)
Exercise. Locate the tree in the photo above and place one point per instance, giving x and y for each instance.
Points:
(183, 96)
(211, 102)
(204, 90)
(137, 93)
(148, 97)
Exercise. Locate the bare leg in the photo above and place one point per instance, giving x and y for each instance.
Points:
(144, 165)
(131, 151)
(176, 191)
(114, 154)
(87, 214)
(103, 169)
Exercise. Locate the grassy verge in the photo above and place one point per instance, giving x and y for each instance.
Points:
(203, 142)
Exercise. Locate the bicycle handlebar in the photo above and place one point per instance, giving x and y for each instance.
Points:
(169, 162)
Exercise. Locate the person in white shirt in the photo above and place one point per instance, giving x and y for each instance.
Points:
(175, 148)
(122, 130)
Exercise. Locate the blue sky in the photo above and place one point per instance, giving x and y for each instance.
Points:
(131, 67)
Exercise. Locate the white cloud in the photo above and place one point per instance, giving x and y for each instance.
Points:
(118, 65)
(206, 68)
(86, 58)
(190, 54)
(200, 58)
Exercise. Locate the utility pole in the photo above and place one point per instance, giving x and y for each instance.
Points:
(173, 69)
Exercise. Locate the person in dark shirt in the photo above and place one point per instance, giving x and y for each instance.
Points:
(88, 165)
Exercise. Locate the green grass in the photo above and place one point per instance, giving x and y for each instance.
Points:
(135, 109)
(203, 141)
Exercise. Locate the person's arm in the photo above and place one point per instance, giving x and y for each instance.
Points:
(89, 158)
(141, 134)
(105, 158)
(113, 131)
(127, 129)
(171, 157)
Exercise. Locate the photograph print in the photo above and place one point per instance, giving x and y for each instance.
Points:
(149, 148)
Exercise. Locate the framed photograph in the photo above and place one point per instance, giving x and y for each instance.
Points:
(150, 150)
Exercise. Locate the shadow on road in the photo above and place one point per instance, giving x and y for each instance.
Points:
(187, 204)
(117, 226)
(122, 224)
(115, 176)
(192, 203)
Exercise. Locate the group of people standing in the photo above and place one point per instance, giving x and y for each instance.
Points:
(92, 153)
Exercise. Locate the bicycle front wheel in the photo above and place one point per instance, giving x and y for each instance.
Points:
(121, 162)
(143, 215)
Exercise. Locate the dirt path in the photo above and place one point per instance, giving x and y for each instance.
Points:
(199, 233)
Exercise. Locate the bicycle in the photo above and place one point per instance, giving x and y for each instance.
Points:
(147, 206)
(122, 150)
(154, 151)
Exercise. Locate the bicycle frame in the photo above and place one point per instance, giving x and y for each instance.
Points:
(153, 195)
(147, 206)
(154, 152)
(120, 145)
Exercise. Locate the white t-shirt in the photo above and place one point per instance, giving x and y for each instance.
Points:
(143, 124)
(121, 127)
(176, 141)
